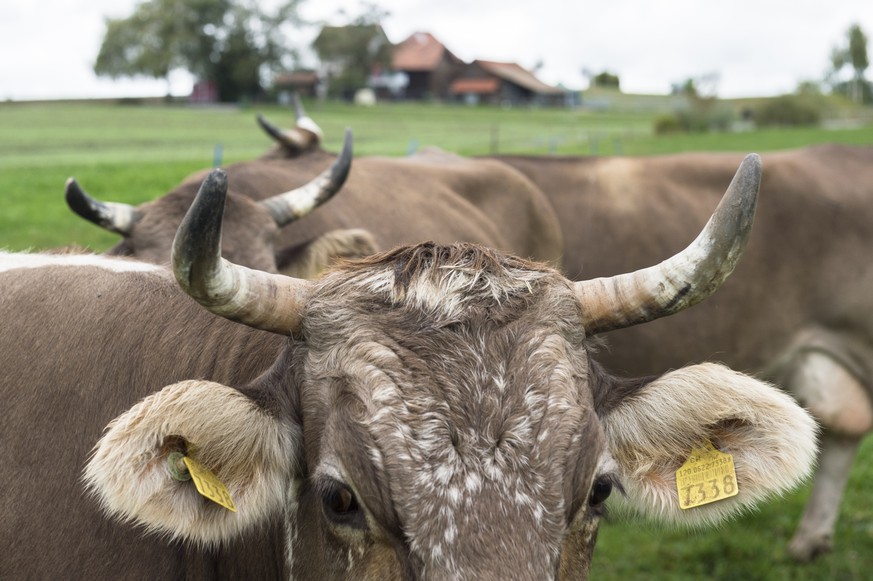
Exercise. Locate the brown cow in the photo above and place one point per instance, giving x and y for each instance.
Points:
(799, 309)
(252, 226)
(432, 196)
(83, 338)
(437, 414)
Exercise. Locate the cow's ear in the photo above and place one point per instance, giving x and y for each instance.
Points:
(310, 259)
(135, 474)
(651, 434)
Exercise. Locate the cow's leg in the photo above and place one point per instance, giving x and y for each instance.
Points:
(841, 403)
(814, 534)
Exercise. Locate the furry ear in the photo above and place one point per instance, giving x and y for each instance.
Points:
(250, 451)
(652, 432)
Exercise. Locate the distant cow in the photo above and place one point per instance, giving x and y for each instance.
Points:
(433, 412)
(798, 310)
(385, 202)
(304, 138)
(252, 225)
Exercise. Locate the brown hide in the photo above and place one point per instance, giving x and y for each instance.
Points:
(806, 266)
(399, 201)
(426, 197)
(79, 346)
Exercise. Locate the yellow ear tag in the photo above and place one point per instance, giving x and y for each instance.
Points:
(208, 484)
(707, 476)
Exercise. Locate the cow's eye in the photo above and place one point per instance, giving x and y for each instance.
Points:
(340, 504)
(341, 501)
(601, 490)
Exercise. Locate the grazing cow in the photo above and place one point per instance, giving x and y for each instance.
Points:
(433, 413)
(387, 201)
(799, 309)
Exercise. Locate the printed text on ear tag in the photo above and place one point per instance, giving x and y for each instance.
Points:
(208, 484)
(707, 476)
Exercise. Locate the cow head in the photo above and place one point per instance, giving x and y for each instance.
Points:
(306, 135)
(250, 229)
(439, 414)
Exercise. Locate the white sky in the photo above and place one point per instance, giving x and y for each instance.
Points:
(758, 47)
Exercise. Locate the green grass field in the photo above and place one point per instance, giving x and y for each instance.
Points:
(136, 153)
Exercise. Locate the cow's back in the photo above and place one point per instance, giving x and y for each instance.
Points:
(431, 196)
(806, 265)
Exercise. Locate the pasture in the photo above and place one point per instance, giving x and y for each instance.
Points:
(134, 153)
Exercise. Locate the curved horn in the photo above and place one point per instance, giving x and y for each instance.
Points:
(305, 135)
(264, 301)
(293, 205)
(299, 112)
(684, 279)
(304, 122)
(118, 218)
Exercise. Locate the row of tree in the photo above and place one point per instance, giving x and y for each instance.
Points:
(239, 46)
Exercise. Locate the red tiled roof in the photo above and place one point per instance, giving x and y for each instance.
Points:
(518, 75)
(419, 52)
(485, 86)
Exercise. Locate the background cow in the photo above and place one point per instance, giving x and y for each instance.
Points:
(434, 413)
(798, 310)
(252, 226)
(432, 196)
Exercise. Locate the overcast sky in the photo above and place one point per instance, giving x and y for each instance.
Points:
(757, 47)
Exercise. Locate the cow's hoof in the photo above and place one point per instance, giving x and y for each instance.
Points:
(806, 549)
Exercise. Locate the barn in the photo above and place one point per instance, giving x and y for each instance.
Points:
(503, 83)
(428, 65)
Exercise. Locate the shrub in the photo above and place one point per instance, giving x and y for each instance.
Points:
(694, 121)
(667, 123)
(789, 110)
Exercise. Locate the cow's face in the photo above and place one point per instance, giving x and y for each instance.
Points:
(449, 428)
(249, 230)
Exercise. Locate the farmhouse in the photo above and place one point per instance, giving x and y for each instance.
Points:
(500, 83)
(428, 65)
(419, 68)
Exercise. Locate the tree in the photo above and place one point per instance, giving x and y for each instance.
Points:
(853, 54)
(235, 43)
(351, 53)
(606, 80)
(858, 59)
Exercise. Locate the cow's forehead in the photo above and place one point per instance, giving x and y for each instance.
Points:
(466, 345)
(438, 285)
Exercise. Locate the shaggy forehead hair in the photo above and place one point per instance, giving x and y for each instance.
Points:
(450, 378)
(445, 284)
